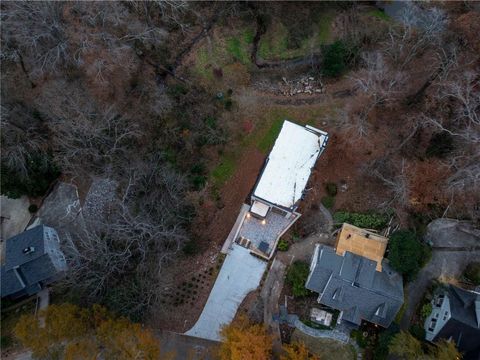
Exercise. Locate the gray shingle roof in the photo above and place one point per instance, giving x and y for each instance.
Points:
(463, 326)
(23, 271)
(10, 283)
(14, 255)
(463, 306)
(351, 284)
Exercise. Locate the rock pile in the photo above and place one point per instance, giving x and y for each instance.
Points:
(301, 86)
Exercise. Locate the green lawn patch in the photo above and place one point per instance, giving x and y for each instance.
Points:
(403, 308)
(379, 14)
(268, 139)
(324, 26)
(202, 61)
(274, 43)
(239, 46)
(263, 137)
(224, 169)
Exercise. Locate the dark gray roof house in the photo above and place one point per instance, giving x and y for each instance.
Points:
(33, 259)
(352, 284)
(456, 315)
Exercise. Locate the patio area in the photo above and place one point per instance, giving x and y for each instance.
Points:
(263, 233)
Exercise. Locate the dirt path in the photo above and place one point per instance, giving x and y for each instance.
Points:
(270, 295)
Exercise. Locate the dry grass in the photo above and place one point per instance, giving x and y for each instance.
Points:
(326, 349)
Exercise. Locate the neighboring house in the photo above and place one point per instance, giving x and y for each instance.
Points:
(456, 316)
(33, 259)
(280, 187)
(355, 279)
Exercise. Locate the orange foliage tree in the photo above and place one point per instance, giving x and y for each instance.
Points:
(245, 340)
(297, 351)
(73, 333)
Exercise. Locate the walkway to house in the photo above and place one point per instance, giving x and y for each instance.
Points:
(231, 236)
(241, 273)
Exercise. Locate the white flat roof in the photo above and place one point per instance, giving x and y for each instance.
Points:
(289, 164)
(259, 208)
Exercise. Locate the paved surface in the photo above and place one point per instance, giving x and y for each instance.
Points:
(43, 298)
(241, 273)
(43, 302)
(182, 347)
(320, 221)
(454, 245)
(18, 355)
(231, 236)
(328, 334)
(267, 230)
(61, 208)
(15, 216)
(303, 250)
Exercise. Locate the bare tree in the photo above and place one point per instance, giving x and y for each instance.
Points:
(37, 29)
(86, 138)
(462, 95)
(394, 176)
(141, 232)
(421, 28)
(378, 85)
(21, 137)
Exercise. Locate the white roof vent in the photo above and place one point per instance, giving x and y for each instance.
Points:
(28, 250)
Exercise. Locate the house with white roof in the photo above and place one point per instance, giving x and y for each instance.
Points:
(282, 181)
(279, 188)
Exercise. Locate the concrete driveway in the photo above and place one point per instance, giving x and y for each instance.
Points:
(241, 273)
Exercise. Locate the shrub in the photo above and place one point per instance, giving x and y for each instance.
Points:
(297, 274)
(406, 253)
(384, 340)
(441, 144)
(328, 201)
(41, 172)
(331, 189)
(283, 245)
(198, 182)
(33, 208)
(426, 310)
(190, 248)
(359, 337)
(228, 104)
(6, 341)
(364, 220)
(335, 59)
(177, 90)
(472, 273)
(417, 331)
